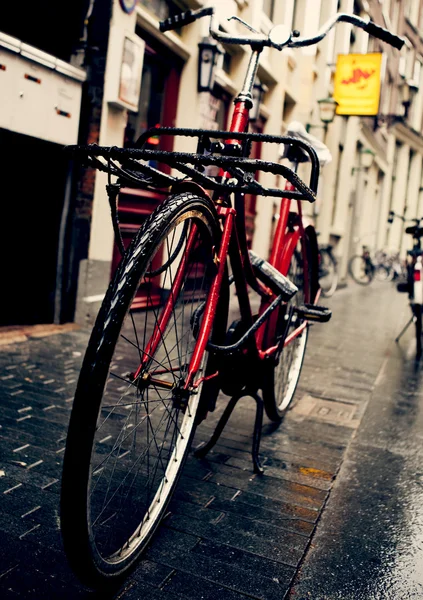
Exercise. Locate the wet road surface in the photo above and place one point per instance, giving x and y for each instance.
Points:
(337, 515)
(369, 541)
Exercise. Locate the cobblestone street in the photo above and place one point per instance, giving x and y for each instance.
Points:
(340, 496)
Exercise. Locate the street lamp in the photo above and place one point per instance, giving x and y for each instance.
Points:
(208, 58)
(327, 111)
(407, 90)
(259, 90)
(367, 157)
(366, 160)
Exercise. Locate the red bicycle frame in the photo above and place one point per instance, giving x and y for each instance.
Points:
(234, 246)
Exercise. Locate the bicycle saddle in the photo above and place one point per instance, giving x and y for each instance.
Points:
(297, 130)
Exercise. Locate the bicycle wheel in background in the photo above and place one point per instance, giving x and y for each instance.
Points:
(131, 427)
(383, 273)
(360, 270)
(280, 376)
(328, 273)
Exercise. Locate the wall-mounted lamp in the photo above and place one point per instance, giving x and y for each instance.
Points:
(407, 90)
(208, 59)
(327, 111)
(259, 90)
(366, 160)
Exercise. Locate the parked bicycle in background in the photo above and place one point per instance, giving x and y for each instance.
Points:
(364, 268)
(328, 270)
(413, 285)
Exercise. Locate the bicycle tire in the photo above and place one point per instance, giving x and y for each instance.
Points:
(328, 273)
(359, 270)
(114, 497)
(280, 376)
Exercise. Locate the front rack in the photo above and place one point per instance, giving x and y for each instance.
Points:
(124, 163)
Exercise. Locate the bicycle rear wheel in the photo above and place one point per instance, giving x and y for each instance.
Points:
(281, 374)
(328, 273)
(132, 421)
(360, 270)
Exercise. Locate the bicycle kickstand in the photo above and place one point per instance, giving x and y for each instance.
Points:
(397, 339)
(204, 448)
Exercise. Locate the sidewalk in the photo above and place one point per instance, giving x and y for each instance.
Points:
(306, 529)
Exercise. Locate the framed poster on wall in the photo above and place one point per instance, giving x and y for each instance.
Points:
(125, 60)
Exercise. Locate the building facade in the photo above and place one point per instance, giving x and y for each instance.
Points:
(121, 42)
(356, 199)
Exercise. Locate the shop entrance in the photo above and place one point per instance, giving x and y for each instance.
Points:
(33, 176)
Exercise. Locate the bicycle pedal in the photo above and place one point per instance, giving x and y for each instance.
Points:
(272, 278)
(313, 312)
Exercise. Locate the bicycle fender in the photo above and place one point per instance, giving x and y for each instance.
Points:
(190, 186)
(313, 260)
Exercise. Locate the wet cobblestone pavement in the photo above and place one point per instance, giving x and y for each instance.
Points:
(337, 514)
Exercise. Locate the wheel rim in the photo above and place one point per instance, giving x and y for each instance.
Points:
(328, 278)
(360, 270)
(145, 423)
(287, 371)
(382, 274)
(291, 361)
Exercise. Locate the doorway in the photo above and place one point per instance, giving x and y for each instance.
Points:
(33, 176)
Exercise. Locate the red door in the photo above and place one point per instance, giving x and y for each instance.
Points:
(157, 107)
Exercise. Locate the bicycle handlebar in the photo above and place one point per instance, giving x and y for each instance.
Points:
(290, 39)
(384, 35)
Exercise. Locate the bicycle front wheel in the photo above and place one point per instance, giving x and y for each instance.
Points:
(133, 420)
(328, 274)
(360, 270)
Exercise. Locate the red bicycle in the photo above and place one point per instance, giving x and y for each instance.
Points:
(150, 376)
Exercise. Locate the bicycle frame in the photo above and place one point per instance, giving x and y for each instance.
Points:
(234, 246)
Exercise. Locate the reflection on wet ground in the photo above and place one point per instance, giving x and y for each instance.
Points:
(369, 542)
(338, 510)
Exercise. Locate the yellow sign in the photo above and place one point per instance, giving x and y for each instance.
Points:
(357, 84)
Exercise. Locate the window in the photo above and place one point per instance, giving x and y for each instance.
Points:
(162, 9)
(288, 109)
(226, 63)
(412, 11)
(269, 8)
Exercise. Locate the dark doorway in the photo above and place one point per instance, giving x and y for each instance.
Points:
(33, 176)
